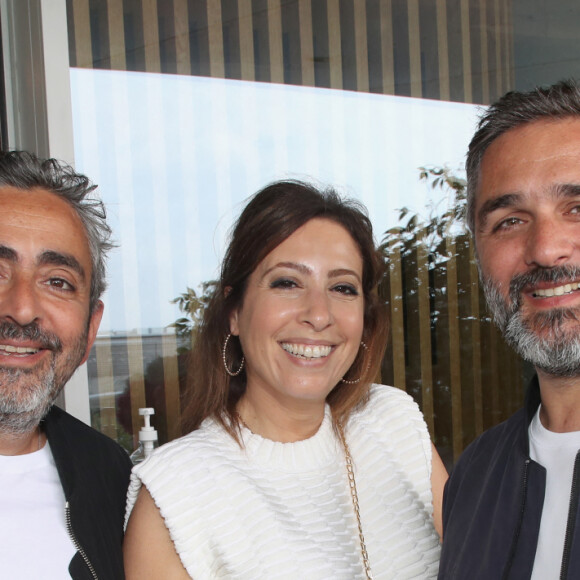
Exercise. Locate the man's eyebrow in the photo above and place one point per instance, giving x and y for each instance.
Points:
(567, 190)
(491, 205)
(7, 253)
(511, 199)
(50, 257)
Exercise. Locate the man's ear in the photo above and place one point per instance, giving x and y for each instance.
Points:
(94, 323)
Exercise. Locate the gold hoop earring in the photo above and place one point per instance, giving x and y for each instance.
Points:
(348, 382)
(231, 373)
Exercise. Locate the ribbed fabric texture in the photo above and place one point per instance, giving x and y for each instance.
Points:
(284, 510)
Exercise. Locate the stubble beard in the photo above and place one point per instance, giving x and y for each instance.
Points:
(549, 340)
(26, 395)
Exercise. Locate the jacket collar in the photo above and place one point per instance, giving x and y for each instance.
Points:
(57, 438)
(532, 402)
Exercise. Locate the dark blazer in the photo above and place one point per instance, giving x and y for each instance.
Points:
(493, 503)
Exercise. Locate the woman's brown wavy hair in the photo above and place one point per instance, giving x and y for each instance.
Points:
(271, 216)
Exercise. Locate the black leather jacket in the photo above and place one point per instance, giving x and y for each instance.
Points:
(94, 472)
(493, 503)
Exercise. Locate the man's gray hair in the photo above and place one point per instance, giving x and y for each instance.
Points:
(24, 170)
(513, 110)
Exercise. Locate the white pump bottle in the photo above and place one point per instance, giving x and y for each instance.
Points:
(147, 437)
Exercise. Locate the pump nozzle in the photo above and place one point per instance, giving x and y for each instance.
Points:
(147, 436)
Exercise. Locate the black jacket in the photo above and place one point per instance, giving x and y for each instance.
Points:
(492, 506)
(94, 472)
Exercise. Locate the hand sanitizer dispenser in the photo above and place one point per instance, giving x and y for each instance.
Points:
(147, 437)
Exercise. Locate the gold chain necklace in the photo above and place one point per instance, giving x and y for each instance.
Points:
(354, 495)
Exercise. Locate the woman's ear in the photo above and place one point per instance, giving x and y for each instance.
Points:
(234, 327)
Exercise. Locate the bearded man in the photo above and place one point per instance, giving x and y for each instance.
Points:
(62, 484)
(511, 506)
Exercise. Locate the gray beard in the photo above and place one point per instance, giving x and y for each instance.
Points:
(549, 340)
(26, 395)
(21, 412)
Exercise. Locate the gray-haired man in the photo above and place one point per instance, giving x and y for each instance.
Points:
(62, 484)
(511, 506)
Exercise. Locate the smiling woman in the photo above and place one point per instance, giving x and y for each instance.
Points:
(300, 327)
(324, 475)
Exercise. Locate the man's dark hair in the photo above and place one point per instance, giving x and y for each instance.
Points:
(513, 110)
(24, 170)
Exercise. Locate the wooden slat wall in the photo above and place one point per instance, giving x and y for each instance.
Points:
(82, 34)
(216, 39)
(116, 34)
(476, 340)
(106, 383)
(425, 333)
(510, 72)
(387, 42)
(484, 50)
(443, 50)
(135, 362)
(415, 48)
(151, 36)
(495, 75)
(275, 41)
(246, 40)
(181, 27)
(334, 43)
(306, 42)
(493, 21)
(466, 52)
(454, 350)
(397, 320)
(171, 382)
(499, 40)
(360, 36)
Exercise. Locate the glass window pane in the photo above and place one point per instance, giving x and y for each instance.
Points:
(183, 108)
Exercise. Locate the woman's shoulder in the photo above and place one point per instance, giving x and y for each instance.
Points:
(194, 449)
(390, 417)
(385, 401)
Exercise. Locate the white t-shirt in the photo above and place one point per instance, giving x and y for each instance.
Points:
(557, 453)
(34, 542)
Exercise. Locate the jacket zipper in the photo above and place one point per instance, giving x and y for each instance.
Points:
(74, 540)
(572, 510)
(518, 529)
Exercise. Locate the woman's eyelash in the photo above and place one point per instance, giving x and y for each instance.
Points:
(288, 283)
(283, 283)
(348, 289)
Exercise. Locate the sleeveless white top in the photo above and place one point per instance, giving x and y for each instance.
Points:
(284, 510)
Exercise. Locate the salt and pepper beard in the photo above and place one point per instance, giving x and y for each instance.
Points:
(548, 339)
(27, 394)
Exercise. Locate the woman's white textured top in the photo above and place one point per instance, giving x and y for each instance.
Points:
(284, 510)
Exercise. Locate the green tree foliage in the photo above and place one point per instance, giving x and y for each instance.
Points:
(192, 305)
(438, 225)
